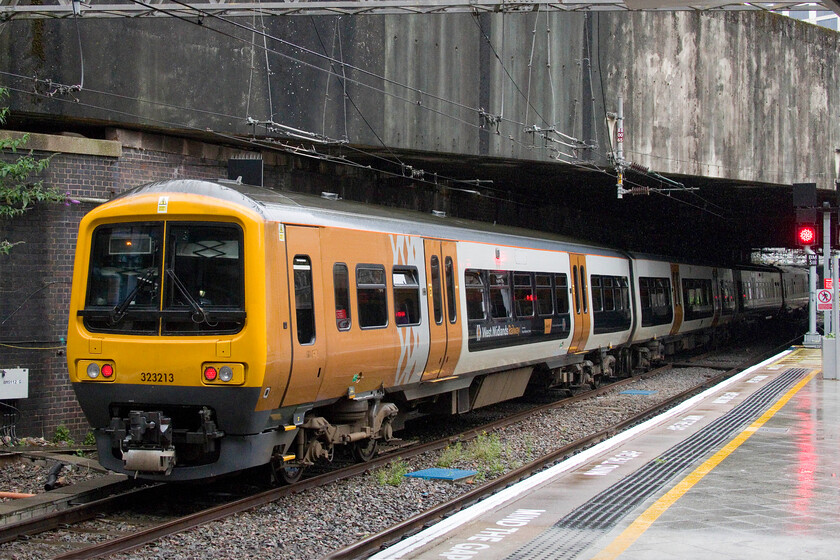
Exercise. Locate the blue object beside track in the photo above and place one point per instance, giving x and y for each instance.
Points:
(442, 474)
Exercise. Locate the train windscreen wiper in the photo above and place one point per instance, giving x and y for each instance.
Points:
(199, 315)
(144, 281)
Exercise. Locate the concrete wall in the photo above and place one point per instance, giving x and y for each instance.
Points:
(742, 95)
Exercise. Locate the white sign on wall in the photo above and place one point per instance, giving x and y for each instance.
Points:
(14, 383)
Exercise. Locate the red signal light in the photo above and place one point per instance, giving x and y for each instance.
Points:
(210, 373)
(806, 234)
(107, 370)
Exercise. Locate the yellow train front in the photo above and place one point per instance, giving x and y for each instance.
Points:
(167, 347)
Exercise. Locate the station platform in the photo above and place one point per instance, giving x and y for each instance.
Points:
(748, 469)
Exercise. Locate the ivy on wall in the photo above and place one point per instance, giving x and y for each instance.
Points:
(19, 192)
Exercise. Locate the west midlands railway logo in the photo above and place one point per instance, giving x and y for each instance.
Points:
(496, 331)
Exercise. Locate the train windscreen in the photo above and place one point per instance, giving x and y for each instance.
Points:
(166, 278)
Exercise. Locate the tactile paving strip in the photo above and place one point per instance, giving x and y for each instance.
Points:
(583, 526)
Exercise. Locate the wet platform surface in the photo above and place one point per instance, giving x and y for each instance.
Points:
(748, 469)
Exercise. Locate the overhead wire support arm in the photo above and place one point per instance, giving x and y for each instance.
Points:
(643, 170)
(291, 132)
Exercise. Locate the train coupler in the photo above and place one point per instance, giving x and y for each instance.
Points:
(149, 460)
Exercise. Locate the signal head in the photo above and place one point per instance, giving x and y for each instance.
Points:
(806, 234)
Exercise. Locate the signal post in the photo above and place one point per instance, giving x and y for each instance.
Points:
(807, 235)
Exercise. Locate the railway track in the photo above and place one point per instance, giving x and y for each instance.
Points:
(140, 535)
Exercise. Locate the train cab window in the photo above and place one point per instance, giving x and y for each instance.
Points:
(123, 291)
(437, 304)
(451, 301)
(499, 295)
(523, 295)
(561, 293)
(341, 281)
(474, 289)
(203, 279)
(304, 302)
(406, 297)
(371, 292)
(545, 306)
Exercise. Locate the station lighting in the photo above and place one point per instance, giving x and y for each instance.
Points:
(806, 234)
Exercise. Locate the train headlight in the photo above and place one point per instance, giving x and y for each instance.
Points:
(222, 373)
(99, 371)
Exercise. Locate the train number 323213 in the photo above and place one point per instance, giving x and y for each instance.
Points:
(157, 377)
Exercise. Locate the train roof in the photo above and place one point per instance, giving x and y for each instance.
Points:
(293, 207)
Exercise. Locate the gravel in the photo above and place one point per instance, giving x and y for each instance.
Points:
(29, 474)
(315, 522)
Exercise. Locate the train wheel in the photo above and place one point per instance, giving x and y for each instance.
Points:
(283, 474)
(289, 475)
(365, 450)
(596, 381)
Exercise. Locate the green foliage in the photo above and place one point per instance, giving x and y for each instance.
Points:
(90, 439)
(393, 474)
(451, 455)
(486, 448)
(18, 192)
(485, 453)
(62, 435)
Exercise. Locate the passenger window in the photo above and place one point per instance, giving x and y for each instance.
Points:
(304, 305)
(523, 295)
(341, 280)
(371, 295)
(597, 304)
(561, 293)
(499, 295)
(406, 297)
(544, 303)
(437, 306)
(474, 288)
(608, 294)
(451, 302)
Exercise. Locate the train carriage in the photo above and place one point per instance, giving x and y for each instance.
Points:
(216, 326)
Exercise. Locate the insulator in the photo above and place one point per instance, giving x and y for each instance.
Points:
(639, 168)
(640, 190)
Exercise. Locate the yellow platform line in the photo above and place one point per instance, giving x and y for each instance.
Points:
(644, 521)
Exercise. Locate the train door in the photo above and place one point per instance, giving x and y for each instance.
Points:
(443, 291)
(678, 306)
(303, 257)
(580, 302)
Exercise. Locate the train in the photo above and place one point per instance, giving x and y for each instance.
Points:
(216, 326)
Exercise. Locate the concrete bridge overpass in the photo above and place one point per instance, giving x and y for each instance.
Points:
(507, 105)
